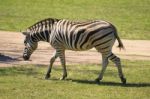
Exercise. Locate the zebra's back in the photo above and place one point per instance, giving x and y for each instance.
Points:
(84, 35)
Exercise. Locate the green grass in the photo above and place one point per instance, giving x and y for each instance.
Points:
(27, 82)
(131, 17)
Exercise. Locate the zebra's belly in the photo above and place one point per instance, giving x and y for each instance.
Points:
(79, 48)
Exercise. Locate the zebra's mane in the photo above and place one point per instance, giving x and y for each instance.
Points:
(44, 22)
(50, 21)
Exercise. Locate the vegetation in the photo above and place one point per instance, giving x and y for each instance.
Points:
(27, 82)
(132, 17)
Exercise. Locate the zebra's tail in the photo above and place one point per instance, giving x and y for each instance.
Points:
(120, 44)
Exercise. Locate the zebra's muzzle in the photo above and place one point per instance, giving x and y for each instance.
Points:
(25, 57)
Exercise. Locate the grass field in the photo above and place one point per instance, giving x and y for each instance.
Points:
(27, 82)
(132, 17)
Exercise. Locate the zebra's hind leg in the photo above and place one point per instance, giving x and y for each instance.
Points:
(104, 66)
(117, 62)
(52, 60)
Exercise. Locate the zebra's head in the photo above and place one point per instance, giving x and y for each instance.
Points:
(30, 46)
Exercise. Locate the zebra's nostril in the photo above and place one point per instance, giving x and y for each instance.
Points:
(26, 57)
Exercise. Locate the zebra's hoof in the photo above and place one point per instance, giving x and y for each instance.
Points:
(123, 80)
(47, 76)
(97, 81)
(62, 78)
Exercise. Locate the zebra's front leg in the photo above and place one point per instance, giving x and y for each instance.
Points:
(52, 60)
(61, 54)
(104, 65)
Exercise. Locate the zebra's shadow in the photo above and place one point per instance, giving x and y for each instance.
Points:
(7, 59)
(112, 83)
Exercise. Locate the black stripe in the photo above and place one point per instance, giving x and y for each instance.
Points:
(110, 55)
(105, 47)
(52, 21)
(72, 33)
(67, 39)
(33, 39)
(39, 36)
(41, 26)
(78, 36)
(58, 39)
(71, 37)
(93, 25)
(47, 35)
(83, 24)
(100, 37)
(32, 46)
(36, 36)
(105, 52)
(59, 34)
(103, 43)
(92, 33)
(79, 25)
(113, 57)
(42, 34)
(63, 37)
(63, 34)
(37, 24)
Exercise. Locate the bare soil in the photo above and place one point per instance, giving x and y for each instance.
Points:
(11, 49)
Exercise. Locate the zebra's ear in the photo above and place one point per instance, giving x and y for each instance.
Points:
(25, 33)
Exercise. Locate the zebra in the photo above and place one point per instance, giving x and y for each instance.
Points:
(64, 35)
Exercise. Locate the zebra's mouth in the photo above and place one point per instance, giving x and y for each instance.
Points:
(25, 57)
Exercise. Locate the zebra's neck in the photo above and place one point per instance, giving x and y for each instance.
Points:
(40, 36)
(41, 30)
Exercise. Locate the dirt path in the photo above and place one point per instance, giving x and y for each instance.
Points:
(11, 48)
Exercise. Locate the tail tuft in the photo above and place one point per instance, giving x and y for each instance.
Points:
(120, 45)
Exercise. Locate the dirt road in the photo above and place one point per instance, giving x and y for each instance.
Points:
(11, 48)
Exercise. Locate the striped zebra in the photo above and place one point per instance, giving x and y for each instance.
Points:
(78, 36)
